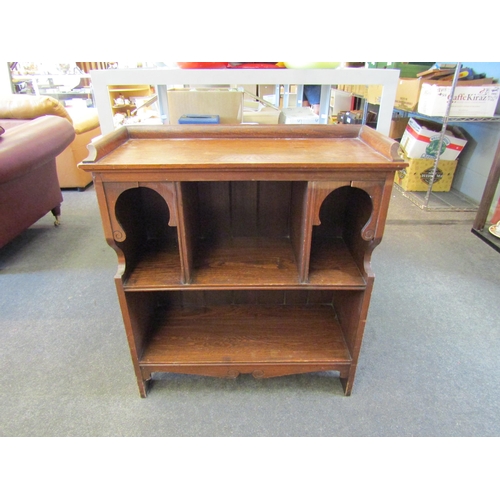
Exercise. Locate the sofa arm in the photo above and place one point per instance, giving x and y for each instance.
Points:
(28, 107)
(34, 143)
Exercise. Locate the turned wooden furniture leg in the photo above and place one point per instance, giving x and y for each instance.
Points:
(56, 212)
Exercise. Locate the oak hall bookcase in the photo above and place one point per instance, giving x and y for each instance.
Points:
(244, 249)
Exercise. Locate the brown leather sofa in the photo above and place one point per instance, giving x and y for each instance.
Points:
(85, 123)
(29, 187)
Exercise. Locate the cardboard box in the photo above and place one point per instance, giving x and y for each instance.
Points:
(408, 91)
(467, 100)
(374, 94)
(301, 115)
(407, 94)
(398, 127)
(264, 116)
(421, 140)
(226, 103)
(418, 174)
(358, 90)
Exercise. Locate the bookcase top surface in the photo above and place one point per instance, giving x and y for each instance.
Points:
(240, 147)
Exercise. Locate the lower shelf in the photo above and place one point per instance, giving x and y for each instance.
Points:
(263, 340)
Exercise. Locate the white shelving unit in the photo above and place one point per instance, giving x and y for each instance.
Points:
(161, 78)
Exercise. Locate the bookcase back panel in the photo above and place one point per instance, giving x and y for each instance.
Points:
(243, 208)
(212, 298)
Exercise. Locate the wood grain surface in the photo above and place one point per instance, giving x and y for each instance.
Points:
(247, 334)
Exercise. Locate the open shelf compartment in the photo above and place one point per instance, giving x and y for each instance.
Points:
(231, 332)
(249, 234)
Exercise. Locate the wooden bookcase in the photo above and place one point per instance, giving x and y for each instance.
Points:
(244, 249)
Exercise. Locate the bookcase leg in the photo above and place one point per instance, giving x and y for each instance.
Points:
(347, 383)
(144, 382)
(143, 389)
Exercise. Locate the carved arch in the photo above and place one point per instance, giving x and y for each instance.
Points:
(347, 193)
(114, 190)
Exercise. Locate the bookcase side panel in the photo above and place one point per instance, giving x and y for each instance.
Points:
(138, 310)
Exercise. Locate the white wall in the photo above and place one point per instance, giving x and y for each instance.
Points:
(5, 83)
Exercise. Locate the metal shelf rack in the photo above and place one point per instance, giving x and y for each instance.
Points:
(453, 200)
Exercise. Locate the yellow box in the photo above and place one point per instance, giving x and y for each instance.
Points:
(417, 175)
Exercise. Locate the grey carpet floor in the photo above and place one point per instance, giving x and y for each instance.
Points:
(429, 364)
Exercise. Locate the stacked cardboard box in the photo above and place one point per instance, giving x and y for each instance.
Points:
(398, 127)
(421, 140)
(419, 146)
(418, 175)
(409, 90)
(467, 100)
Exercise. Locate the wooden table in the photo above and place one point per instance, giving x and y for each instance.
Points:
(244, 249)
